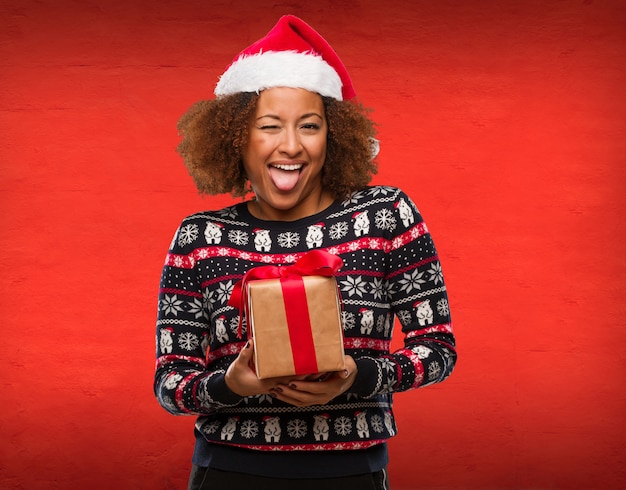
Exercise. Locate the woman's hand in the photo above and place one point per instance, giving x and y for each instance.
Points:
(303, 393)
(241, 378)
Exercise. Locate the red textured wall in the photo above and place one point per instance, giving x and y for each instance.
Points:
(505, 121)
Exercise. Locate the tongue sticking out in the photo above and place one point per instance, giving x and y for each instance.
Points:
(284, 180)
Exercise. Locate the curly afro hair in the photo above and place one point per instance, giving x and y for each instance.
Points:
(215, 132)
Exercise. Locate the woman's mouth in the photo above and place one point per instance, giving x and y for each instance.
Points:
(289, 168)
(285, 176)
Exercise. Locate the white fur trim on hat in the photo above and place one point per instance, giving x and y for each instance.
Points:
(257, 72)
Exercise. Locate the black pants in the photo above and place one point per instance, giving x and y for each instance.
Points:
(210, 479)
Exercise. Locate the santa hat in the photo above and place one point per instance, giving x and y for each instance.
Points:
(292, 54)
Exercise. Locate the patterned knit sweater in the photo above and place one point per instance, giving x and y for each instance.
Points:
(390, 268)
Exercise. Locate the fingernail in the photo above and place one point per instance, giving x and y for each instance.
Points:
(292, 386)
(277, 389)
(346, 373)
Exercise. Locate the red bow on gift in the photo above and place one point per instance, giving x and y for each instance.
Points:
(313, 263)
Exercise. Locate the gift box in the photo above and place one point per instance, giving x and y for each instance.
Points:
(293, 314)
(296, 326)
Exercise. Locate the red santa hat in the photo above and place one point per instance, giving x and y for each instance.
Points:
(292, 54)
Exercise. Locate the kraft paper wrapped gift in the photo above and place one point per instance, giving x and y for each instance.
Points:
(293, 314)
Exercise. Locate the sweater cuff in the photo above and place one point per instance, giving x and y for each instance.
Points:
(366, 383)
(220, 392)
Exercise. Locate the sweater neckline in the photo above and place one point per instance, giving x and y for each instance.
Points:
(246, 215)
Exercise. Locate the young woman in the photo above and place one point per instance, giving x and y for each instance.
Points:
(285, 126)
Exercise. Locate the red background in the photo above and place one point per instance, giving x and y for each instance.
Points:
(504, 120)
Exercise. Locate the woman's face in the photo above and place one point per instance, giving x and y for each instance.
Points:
(285, 153)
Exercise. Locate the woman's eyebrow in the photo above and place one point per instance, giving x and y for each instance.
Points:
(303, 116)
(271, 116)
(311, 114)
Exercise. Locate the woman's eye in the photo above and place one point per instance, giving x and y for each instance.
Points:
(269, 127)
(310, 126)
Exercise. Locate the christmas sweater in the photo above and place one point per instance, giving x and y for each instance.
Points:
(391, 270)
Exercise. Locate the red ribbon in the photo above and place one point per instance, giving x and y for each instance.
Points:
(314, 263)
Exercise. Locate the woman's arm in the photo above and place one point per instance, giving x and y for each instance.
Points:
(419, 299)
(183, 384)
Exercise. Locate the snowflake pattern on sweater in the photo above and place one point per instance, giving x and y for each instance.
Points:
(390, 268)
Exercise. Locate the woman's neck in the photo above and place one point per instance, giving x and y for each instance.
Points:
(260, 210)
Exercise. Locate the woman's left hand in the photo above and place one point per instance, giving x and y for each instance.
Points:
(303, 393)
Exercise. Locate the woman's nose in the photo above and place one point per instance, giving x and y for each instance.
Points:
(290, 143)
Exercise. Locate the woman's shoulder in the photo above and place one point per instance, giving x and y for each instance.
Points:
(382, 200)
(377, 194)
(206, 227)
(228, 215)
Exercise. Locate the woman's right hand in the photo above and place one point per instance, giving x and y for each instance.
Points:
(241, 378)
